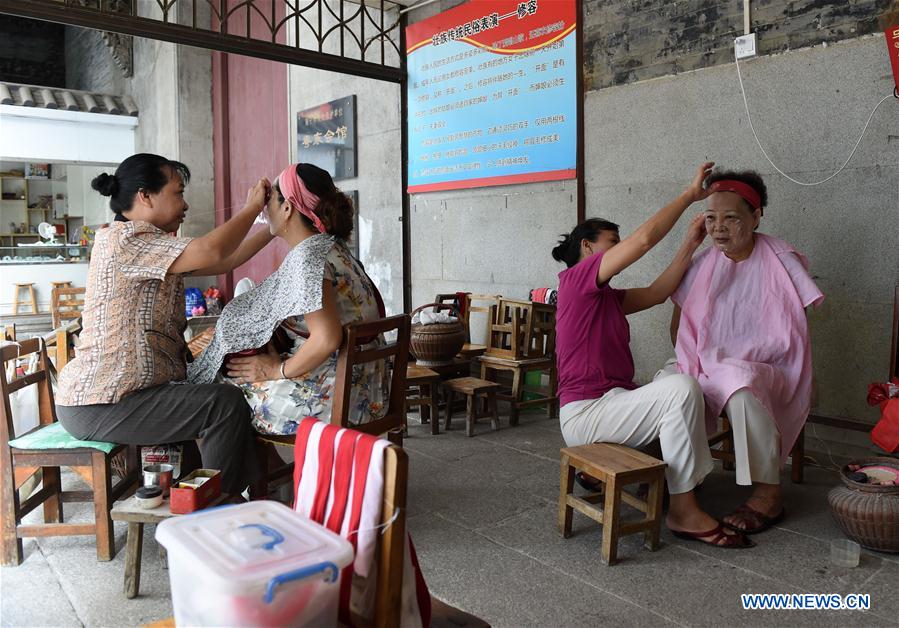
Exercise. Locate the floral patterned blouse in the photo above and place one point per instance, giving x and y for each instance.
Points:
(279, 405)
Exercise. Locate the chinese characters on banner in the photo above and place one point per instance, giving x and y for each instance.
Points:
(492, 92)
(326, 137)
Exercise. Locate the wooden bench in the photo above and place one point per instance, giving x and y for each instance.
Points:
(615, 466)
(472, 387)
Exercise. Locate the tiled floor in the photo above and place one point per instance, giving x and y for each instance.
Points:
(482, 513)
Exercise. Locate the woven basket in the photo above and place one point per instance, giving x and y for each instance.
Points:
(436, 344)
(868, 514)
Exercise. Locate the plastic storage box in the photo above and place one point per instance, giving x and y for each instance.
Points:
(255, 564)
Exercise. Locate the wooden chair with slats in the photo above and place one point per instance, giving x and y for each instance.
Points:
(273, 470)
(18, 465)
(62, 341)
(66, 304)
(479, 305)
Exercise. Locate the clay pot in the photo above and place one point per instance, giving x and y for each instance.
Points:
(867, 513)
(436, 344)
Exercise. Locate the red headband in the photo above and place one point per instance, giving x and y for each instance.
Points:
(744, 190)
(295, 191)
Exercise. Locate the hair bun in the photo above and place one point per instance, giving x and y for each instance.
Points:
(106, 184)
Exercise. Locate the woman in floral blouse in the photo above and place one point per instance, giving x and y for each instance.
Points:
(318, 288)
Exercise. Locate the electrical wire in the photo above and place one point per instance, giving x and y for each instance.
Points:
(765, 153)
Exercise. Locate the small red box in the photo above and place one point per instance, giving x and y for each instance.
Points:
(185, 500)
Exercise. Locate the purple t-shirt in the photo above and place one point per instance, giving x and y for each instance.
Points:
(592, 335)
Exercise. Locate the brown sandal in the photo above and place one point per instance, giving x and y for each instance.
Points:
(716, 537)
(588, 482)
(758, 521)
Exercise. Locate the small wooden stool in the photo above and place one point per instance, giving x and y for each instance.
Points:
(33, 298)
(471, 387)
(60, 284)
(129, 511)
(616, 466)
(425, 380)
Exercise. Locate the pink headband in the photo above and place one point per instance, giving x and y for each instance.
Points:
(295, 191)
(744, 190)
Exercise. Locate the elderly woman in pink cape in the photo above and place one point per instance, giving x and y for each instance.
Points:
(740, 328)
(278, 342)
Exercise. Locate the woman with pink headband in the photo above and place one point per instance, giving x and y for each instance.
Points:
(740, 328)
(278, 342)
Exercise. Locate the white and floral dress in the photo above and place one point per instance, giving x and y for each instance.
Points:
(281, 301)
(279, 405)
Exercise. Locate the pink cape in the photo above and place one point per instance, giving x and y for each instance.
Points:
(743, 325)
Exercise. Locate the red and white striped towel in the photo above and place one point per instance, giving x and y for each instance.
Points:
(339, 483)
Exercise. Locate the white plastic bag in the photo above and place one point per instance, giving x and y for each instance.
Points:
(24, 402)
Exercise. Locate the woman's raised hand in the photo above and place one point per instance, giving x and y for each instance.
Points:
(258, 194)
(696, 190)
(695, 231)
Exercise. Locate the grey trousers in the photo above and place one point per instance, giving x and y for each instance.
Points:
(216, 413)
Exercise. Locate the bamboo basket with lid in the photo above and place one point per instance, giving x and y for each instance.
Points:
(438, 343)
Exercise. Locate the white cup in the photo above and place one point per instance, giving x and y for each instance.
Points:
(844, 553)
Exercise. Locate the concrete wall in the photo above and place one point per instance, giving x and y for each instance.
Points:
(379, 168)
(90, 64)
(644, 138)
(172, 88)
(809, 106)
(490, 240)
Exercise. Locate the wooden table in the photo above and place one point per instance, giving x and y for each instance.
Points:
(128, 510)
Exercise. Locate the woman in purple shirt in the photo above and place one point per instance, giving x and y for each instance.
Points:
(600, 401)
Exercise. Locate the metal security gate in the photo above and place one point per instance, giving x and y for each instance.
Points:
(355, 38)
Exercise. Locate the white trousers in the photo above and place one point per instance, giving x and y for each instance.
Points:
(670, 409)
(754, 432)
(756, 439)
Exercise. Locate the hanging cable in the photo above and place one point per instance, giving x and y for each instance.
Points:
(765, 153)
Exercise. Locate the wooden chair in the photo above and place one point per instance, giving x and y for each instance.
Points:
(615, 466)
(425, 382)
(273, 469)
(725, 453)
(390, 555)
(18, 465)
(479, 304)
(522, 339)
(61, 343)
(66, 304)
(391, 548)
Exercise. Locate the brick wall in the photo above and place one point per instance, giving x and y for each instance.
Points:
(90, 64)
(633, 40)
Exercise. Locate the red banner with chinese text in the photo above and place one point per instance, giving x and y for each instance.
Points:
(892, 39)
